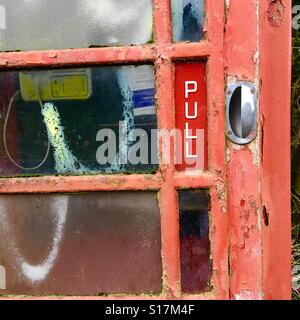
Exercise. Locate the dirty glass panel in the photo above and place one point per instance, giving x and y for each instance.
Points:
(84, 244)
(65, 24)
(188, 20)
(194, 240)
(78, 121)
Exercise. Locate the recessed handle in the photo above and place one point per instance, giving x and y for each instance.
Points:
(241, 112)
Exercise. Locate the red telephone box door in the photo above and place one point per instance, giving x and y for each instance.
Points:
(215, 225)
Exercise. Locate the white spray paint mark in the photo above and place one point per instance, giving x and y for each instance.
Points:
(37, 273)
(128, 117)
(123, 81)
(84, 22)
(2, 18)
(65, 161)
(2, 278)
(113, 15)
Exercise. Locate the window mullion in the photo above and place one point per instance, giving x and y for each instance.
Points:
(162, 22)
(167, 196)
(77, 57)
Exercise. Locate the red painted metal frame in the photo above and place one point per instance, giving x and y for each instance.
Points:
(163, 54)
(243, 174)
(255, 178)
(259, 174)
(275, 40)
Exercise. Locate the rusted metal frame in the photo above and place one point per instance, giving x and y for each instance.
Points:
(76, 57)
(167, 194)
(166, 116)
(114, 182)
(60, 184)
(216, 180)
(163, 54)
(166, 120)
(275, 76)
(193, 180)
(216, 148)
(102, 56)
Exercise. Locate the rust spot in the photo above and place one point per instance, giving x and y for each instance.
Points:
(266, 216)
(245, 215)
(276, 13)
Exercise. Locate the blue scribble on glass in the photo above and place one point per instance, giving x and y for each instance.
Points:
(188, 20)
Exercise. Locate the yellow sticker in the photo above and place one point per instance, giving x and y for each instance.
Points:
(56, 85)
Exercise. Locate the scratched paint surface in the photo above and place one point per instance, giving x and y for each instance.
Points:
(39, 25)
(244, 194)
(107, 96)
(82, 244)
(275, 108)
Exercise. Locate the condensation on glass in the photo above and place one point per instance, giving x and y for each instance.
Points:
(64, 24)
(194, 206)
(78, 121)
(188, 20)
(83, 244)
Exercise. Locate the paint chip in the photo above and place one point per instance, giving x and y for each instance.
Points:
(276, 13)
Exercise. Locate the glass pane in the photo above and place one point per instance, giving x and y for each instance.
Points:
(194, 209)
(63, 24)
(78, 121)
(188, 20)
(84, 244)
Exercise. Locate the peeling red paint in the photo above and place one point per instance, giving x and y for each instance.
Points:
(276, 12)
(216, 143)
(275, 111)
(241, 39)
(245, 235)
(241, 45)
(258, 178)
